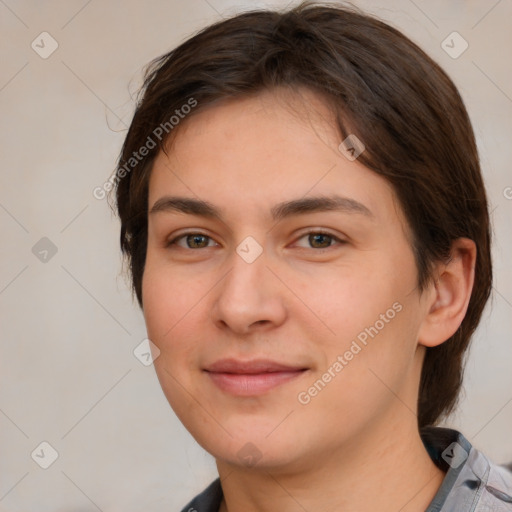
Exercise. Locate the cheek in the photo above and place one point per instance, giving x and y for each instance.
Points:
(372, 313)
(155, 297)
(168, 306)
(355, 299)
(375, 372)
(171, 324)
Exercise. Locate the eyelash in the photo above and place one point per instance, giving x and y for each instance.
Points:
(173, 241)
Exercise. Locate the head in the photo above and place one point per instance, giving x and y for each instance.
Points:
(249, 114)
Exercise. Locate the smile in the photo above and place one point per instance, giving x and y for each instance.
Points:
(251, 378)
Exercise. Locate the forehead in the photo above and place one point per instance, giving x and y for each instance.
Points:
(250, 154)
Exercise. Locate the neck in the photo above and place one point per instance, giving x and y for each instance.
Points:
(388, 470)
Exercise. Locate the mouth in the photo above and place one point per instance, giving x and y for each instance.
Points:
(251, 378)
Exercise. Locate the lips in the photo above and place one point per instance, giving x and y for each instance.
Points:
(250, 367)
(251, 378)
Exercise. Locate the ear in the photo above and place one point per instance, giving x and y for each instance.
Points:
(447, 297)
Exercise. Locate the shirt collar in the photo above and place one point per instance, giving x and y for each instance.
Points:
(472, 482)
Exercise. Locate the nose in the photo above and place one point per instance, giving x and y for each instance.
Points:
(250, 297)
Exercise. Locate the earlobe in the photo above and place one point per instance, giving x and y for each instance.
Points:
(449, 294)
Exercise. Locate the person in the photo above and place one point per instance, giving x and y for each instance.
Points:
(307, 233)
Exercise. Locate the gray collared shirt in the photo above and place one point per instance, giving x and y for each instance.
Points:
(472, 482)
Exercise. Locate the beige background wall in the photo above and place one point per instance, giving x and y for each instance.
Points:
(68, 326)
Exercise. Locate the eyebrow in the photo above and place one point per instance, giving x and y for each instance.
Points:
(278, 212)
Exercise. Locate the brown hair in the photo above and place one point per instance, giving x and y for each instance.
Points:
(397, 100)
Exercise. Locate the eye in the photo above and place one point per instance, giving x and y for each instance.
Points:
(320, 239)
(192, 241)
(315, 239)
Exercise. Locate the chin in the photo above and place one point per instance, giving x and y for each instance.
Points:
(253, 443)
(254, 455)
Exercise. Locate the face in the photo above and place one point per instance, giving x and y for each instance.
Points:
(279, 285)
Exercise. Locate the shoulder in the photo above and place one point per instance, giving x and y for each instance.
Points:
(495, 482)
(473, 481)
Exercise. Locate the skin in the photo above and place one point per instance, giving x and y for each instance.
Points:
(355, 446)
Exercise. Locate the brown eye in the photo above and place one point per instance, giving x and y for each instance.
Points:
(192, 241)
(196, 241)
(320, 240)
